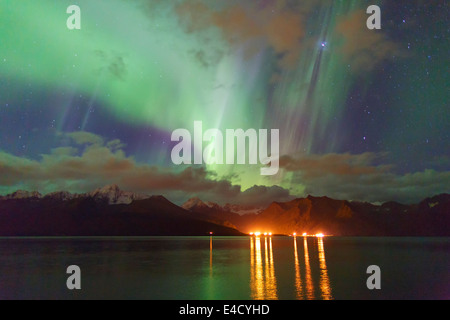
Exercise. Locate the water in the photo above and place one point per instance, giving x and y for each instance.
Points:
(225, 268)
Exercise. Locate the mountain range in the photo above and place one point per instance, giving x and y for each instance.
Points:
(312, 215)
(109, 211)
(110, 193)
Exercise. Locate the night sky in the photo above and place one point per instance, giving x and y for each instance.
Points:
(363, 114)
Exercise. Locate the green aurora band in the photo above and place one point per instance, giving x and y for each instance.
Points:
(150, 65)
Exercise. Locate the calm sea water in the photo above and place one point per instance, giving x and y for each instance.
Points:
(228, 268)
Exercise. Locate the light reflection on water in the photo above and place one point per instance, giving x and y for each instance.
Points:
(300, 294)
(210, 256)
(309, 282)
(220, 268)
(324, 280)
(263, 282)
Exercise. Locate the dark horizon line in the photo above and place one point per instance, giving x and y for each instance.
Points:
(293, 198)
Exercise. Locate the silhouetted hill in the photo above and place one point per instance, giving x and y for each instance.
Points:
(312, 215)
(340, 217)
(88, 216)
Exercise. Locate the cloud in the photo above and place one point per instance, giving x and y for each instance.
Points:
(194, 15)
(345, 164)
(356, 177)
(282, 26)
(284, 33)
(239, 23)
(95, 163)
(207, 58)
(64, 151)
(82, 137)
(118, 68)
(262, 195)
(236, 24)
(113, 64)
(362, 48)
(115, 144)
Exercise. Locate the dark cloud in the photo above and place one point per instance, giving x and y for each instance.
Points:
(194, 15)
(83, 137)
(263, 195)
(242, 22)
(118, 68)
(95, 163)
(356, 177)
(346, 164)
(281, 26)
(207, 58)
(362, 48)
(114, 64)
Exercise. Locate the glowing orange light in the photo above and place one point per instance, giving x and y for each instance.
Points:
(257, 233)
(319, 235)
(265, 233)
(305, 234)
(270, 233)
(251, 233)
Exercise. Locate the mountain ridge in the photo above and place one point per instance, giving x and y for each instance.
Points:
(112, 193)
(430, 217)
(101, 214)
(63, 213)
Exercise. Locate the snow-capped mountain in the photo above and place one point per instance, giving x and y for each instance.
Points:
(197, 203)
(110, 193)
(242, 209)
(22, 194)
(114, 195)
(61, 195)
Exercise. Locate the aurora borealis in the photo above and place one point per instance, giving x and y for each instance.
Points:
(363, 114)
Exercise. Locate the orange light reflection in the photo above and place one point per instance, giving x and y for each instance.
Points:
(309, 282)
(262, 272)
(324, 280)
(298, 280)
